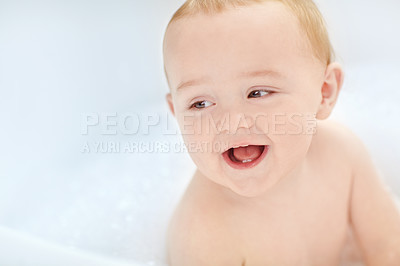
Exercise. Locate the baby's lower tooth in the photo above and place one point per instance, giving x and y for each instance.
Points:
(246, 161)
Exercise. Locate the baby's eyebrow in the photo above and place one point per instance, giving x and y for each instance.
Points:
(245, 74)
(261, 73)
(192, 82)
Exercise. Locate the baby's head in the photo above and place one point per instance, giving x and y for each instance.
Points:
(256, 73)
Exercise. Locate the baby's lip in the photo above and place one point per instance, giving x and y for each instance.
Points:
(244, 144)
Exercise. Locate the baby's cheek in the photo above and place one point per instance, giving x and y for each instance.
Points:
(291, 135)
(206, 162)
(197, 132)
(196, 123)
(301, 124)
(199, 139)
(284, 123)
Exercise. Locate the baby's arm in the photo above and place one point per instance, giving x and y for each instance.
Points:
(374, 215)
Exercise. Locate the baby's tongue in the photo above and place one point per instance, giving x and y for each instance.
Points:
(247, 153)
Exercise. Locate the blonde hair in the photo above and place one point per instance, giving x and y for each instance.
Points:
(306, 11)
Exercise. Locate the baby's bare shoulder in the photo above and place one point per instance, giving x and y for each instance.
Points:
(373, 214)
(198, 234)
(337, 140)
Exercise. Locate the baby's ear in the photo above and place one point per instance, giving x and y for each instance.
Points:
(330, 90)
(170, 103)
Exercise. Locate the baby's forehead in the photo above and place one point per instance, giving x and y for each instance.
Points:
(252, 35)
(267, 18)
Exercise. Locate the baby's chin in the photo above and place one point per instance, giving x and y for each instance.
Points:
(250, 188)
(247, 186)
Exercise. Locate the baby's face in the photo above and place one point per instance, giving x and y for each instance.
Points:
(244, 77)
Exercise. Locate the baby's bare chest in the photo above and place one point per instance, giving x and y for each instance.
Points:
(308, 227)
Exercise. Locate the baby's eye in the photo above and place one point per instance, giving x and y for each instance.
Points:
(258, 93)
(201, 104)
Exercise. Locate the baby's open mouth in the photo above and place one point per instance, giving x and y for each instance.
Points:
(246, 156)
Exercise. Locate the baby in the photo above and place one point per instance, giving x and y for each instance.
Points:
(252, 83)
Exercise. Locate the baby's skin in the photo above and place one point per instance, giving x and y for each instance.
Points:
(285, 186)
